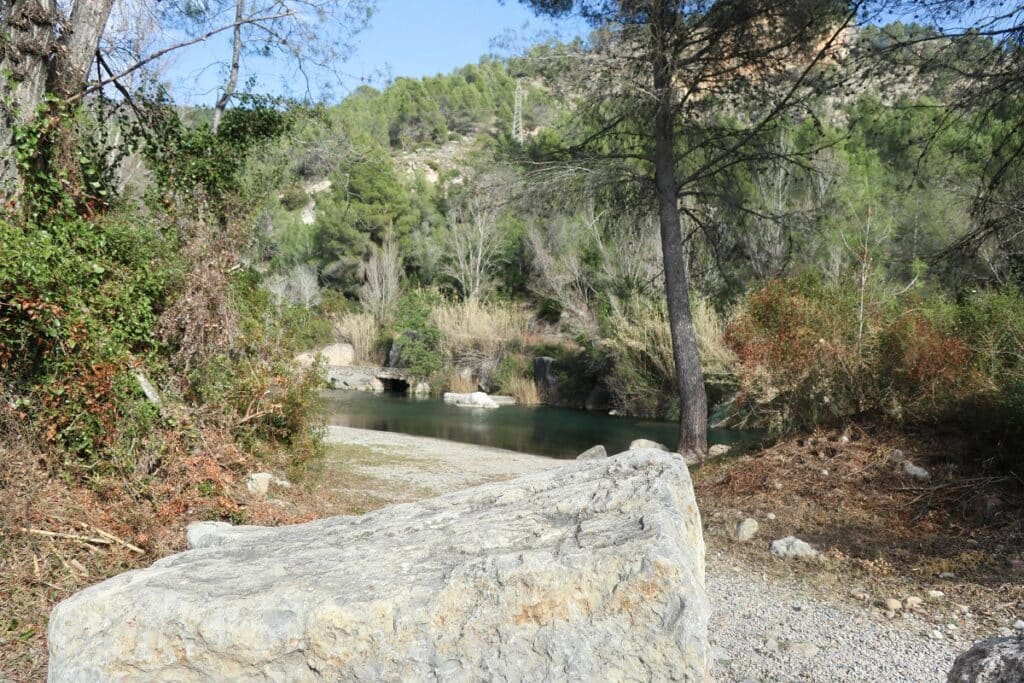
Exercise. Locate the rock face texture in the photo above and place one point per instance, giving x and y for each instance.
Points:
(592, 571)
(995, 660)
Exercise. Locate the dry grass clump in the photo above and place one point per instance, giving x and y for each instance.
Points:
(471, 324)
(361, 331)
(642, 377)
(524, 389)
(476, 336)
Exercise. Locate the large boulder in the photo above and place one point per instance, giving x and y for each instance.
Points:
(593, 571)
(995, 660)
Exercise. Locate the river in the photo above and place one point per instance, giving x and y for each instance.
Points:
(542, 430)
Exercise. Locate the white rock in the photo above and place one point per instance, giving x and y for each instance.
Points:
(476, 399)
(718, 450)
(913, 602)
(915, 472)
(770, 516)
(1019, 625)
(258, 483)
(647, 443)
(995, 660)
(893, 605)
(792, 547)
(935, 634)
(421, 389)
(896, 456)
(936, 595)
(461, 587)
(597, 452)
(746, 530)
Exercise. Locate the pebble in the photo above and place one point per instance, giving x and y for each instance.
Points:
(893, 605)
(936, 595)
(770, 516)
(746, 530)
(1019, 625)
(806, 650)
(913, 602)
(915, 472)
(936, 634)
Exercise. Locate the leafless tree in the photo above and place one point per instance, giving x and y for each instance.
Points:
(474, 236)
(382, 287)
(314, 36)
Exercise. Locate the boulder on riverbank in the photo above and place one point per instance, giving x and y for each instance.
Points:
(592, 571)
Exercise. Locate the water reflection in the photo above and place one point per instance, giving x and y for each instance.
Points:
(556, 432)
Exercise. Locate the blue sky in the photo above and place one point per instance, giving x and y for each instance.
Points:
(405, 38)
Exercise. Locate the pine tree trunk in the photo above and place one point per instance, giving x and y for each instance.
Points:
(693, 402)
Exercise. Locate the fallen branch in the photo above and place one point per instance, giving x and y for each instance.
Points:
(126, 544)
(70, 537)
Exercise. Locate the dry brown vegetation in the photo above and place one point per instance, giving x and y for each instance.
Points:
(59, 534)
(962, 531)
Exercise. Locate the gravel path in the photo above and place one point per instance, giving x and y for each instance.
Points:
(764, 631)
(767, 631)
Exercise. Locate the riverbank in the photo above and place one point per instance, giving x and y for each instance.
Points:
(772, 621)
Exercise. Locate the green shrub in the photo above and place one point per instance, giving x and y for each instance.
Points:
(294, 198)
(78, 300)
(419, 337)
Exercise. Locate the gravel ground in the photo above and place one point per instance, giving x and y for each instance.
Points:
(764, 631)
(770, 632)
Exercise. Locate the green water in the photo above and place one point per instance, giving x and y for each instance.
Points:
(556, 432)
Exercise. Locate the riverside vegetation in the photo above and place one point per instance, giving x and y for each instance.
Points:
(863, 276)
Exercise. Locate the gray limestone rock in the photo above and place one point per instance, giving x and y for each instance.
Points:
(592, 571)
(995, 660)
(792, 547)
(597, 452)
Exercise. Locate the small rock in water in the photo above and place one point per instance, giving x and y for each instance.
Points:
(913, 602)
(915, 472)
(936, 595)
(746, 530)
(893, 605)
(597, 452)
(647, 443)
(1019, 625)
(792, 547)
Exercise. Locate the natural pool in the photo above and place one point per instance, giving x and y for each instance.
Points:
(542, 430)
